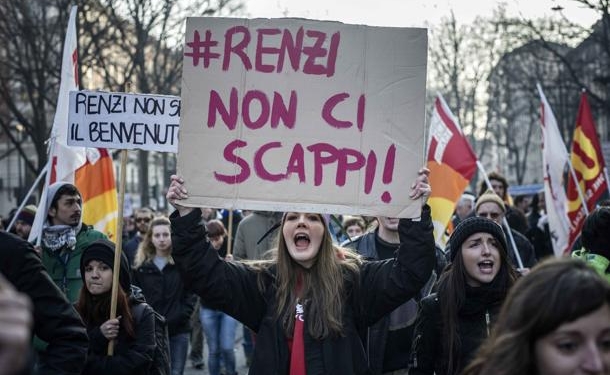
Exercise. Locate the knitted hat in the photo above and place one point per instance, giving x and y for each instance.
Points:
(103, 250)
(489, 196)
(27, 214)
(472, 225)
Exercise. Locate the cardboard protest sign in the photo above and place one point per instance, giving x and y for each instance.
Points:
(123, 121)
(301, 115)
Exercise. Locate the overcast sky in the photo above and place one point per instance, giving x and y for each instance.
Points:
(408, 13)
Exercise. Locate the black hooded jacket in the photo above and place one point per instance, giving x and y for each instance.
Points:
(132, 356)
(55, 320)
(232, 287)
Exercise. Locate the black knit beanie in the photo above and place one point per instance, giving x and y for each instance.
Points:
(103, 250)
(472, 225)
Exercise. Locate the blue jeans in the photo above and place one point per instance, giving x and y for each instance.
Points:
(219, 329)
(248, 343)
(178, 349)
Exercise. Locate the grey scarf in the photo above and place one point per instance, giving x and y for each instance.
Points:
(59, 237)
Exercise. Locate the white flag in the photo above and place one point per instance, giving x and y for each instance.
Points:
(66, 160)
(554, 159)
(63, 159)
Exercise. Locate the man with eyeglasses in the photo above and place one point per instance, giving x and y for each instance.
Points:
(142, 217)
(491, 206)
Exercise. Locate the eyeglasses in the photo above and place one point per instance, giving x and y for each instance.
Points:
(142, 220)
(491, 215)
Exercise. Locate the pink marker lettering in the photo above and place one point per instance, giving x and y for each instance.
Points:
(230, 156)
(238, 49)
(259, 167)
(296, 164)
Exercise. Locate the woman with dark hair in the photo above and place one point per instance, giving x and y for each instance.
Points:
(310, 302)
(132, 330)
(555, 321)
(453, 322)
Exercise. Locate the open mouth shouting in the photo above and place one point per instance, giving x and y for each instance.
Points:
(303, 233)
(301, 241)
(486, 266)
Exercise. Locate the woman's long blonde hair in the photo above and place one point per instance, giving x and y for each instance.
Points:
(146, 250)
(323, 285)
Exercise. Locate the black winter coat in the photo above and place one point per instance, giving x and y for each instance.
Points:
(376, 335)
(55, 320)
(475, 319)
(165, 292)
(232, 288)
(131, 356)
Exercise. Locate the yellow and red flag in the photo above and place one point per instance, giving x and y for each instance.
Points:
(95, 181)
(588, 164)
(452, 164)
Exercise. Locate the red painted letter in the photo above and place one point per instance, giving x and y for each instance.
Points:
(231, 157)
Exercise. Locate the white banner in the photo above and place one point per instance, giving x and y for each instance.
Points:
(124, 121)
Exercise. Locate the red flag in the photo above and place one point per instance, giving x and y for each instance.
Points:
(452, 164)
(588, 163)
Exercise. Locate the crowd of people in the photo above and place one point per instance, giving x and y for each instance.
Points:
(315, 294)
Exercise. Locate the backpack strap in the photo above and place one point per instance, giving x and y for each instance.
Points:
(138, 311)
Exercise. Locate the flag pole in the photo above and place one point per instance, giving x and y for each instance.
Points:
(119, 245)
(607, 180)
(40, 219)
(573, 173)
(230, 234)
(23, 202)
(504, 221)
(578, 189)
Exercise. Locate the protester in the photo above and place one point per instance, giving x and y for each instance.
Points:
(132, 331)
(253, 238)
(6, 221)
(334, 292)
(464, 208)
(55, 320)
(490, 205)
(539, 233)
(453, 322)
(389, 340)
(523, 203)
(15, 328)
(555, 321)
(24, 221)
(64, 236)
(142, 218)
(155, 272)
(516, 219)
(219, 327)
(353, 226)
(595, 238)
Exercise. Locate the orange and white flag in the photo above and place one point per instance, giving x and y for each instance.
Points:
(96, 183)
(452, 164)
